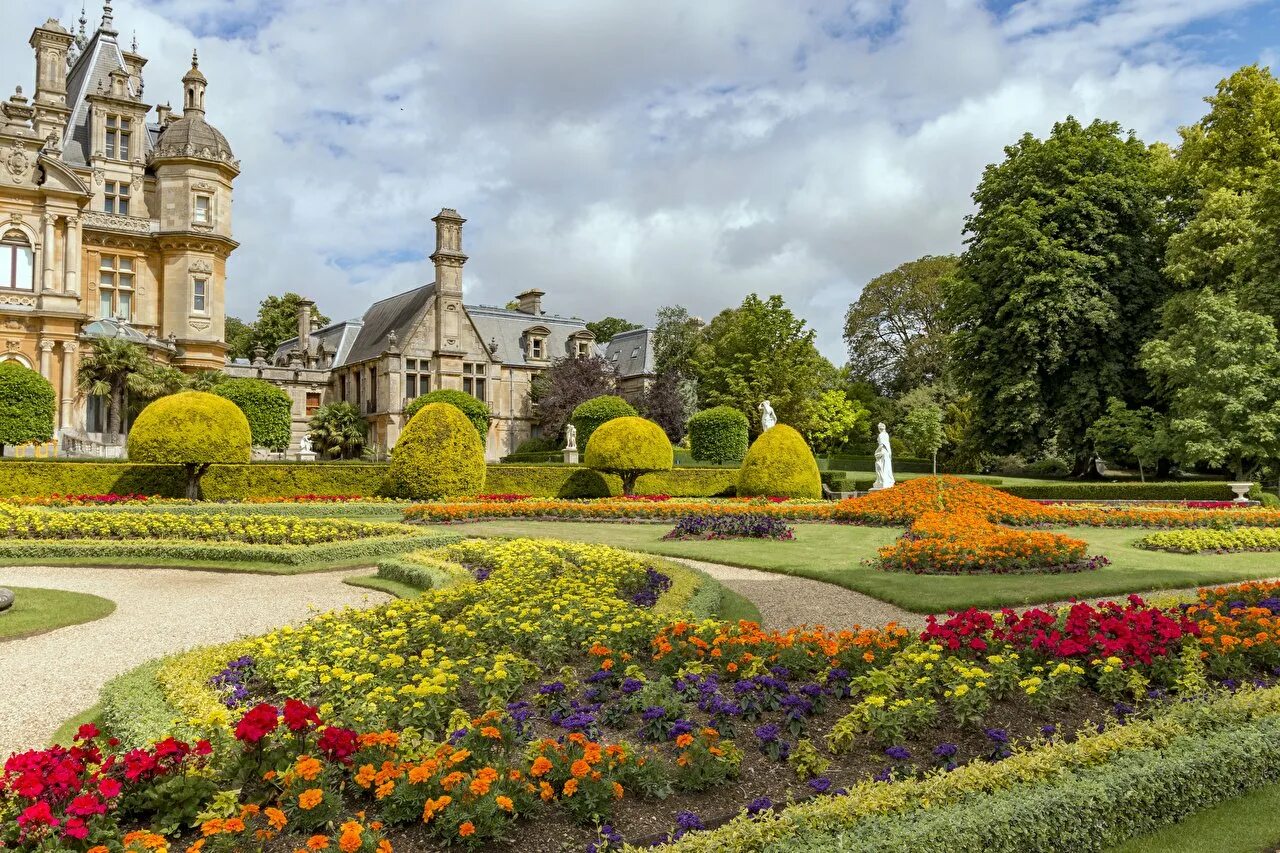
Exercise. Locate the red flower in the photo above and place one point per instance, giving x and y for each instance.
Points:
(76, 828)
(257, 723)
(109, 788)
(87, 732)
(37, 815)
(337, 744)
(298, 715)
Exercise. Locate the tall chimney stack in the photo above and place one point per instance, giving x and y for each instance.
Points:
(304, 325)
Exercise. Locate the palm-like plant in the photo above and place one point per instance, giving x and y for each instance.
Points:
(115, 368)
(338, 430)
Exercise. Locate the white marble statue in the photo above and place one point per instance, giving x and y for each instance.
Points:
(570, 437)
(304, 443)
(884, 461)
(768, 420)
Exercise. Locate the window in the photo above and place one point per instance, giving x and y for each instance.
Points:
(474, 381)
(584, 349)
(118, 131)
(635, 352)
(373, 389)
(615, 356)
(417, 379)
(199, 288)
(536, 348)
(117, 198)
(359, 390)
(203, 212)
(115, 288)
(313, 402)
(17, 262)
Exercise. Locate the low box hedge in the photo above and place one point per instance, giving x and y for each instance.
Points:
(571, 481)
(37, 478)
(1190, 490)
(287, 479)
(867, 464)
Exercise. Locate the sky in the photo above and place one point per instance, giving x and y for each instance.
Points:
(624, 155)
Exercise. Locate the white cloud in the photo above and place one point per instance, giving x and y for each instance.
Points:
(624, 155)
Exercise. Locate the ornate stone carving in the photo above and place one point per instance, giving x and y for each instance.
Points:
(116, 222)
(13, 324)
(17, 162)
(200, 265)
(14, 299)
(15, 218)
(46, 345)
(199, 325)
(203, 186)
(137, 182)
(12, 345)
(69, 347)
(99, 176)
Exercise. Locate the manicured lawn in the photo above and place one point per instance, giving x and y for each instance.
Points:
(1246, 824)
(835, 553)
(36, 611)
(396, 588)
(65, 735)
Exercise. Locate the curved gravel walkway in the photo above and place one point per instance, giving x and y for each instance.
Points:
(50, 677)
(786, 600)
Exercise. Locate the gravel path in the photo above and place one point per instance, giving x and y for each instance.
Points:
(785, 600)
(50, 677)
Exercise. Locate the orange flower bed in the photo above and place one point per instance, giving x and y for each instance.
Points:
(734, 647)
(1239, 628)
(964, 541)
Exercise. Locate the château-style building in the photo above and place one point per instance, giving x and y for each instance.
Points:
(113, 221)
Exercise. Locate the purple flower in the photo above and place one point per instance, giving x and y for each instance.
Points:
(760, 804)
(884, 775)
(681, 727)
(631, 685)
(551, 689)
(686, 821)
(998, 735)
(653, 712)
(768, 732)
(901, 753)
(945, 750)
(1122, 709)
(821, 784)
(1049, 730)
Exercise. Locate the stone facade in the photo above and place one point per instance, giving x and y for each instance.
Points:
(112, 222)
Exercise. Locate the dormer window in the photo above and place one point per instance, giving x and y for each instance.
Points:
(119, 129)
(536, 343)
(116, 197)
(17, 262)
(537, 348)
(584, 349)
(202, 213)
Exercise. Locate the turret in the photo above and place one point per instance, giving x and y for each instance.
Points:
(51, 43)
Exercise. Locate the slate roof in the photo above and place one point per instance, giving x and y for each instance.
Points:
(99, 58)
(631, 353)
(194, 130)
(336, 338)
(507, 326)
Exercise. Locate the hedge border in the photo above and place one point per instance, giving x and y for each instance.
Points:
(1199, 490)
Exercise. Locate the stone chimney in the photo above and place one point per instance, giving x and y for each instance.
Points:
(530, 302)
(51, 44)
(304, 325)
(448, 256)
(163, 113)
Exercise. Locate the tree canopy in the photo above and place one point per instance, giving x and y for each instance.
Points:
(605, 328)
(26, 405)
(277, 322)
(834, 421)
(565, 385)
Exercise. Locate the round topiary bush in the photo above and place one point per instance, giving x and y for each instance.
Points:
(268, 409)
(194, 429)
(475, 410)
(439, 454)
(779, 464)
(588, 416)
(629, 447)
(718, 435)
(26, 405)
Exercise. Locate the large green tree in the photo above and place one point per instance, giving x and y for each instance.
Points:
(835, 421)
(277, 322)
(760, 351)
(606, 328)
(675, 339)
(1217, 368)
(1059, 285)
(1124, 434)
(895, 331)
(239, 338)
(1220, 180)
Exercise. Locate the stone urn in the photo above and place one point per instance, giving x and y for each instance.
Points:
(6, 599)
(1241, 489)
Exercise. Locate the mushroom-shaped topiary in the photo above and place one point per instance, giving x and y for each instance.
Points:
(780, 464)
(193, 428)
(475, 410)
(588, 416)
(267, 408)
(629, 447)
(26, 405)
(718, 435)
(439, 455)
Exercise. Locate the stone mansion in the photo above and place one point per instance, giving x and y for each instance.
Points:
(115, 221)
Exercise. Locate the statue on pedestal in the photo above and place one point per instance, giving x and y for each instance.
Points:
(884, 461)
(306, 451)
(570, 452)
(768, 420)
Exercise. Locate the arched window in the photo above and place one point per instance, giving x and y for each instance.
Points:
(17, 262)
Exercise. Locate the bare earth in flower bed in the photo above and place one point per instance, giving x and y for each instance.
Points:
(159, 611)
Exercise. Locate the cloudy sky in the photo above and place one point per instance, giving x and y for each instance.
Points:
(624, 155)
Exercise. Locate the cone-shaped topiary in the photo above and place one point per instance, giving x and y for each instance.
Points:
(439, 455)
(192, 428)
(780, 464)
(588, 416)
(629, 447)
(718, 435)
(26, 405)
(475, 410)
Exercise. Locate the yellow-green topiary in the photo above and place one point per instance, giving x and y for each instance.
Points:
(780, 464)
(439, 455)
(194, 429)
(629, 447)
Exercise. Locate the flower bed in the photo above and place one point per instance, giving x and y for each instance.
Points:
(966, 543)
(541, 701)
(747, 526)
(634, 508)
(1213, 541)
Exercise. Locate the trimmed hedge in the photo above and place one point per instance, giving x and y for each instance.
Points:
(26, 405)
(1197, 490)
(192, 428)
(475, 410)
(421, 571)
(134, 709)
(718, 435)
(439, 454)
(289, 479)
(690, 483)
(267, 408)
(38, 478)
(867, 464)
(629, 447)
(588, 416)
(571, 481)
(780, 464)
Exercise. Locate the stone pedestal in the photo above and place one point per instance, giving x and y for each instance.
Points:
(1241, 490)
(571, 456)
(306, 456)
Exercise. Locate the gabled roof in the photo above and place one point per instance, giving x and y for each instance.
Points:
(393, 314)
(100, 57)
(631, 353)
(506, 327)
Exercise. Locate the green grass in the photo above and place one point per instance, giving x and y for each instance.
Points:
(36, 611)
(396, 588)
(1244, 825)
(835, 554)
(734, 607)
(63, 736)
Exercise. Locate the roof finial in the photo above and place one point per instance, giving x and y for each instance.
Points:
(82, 38)
(135, 41)
(195, 59)
(107, 22)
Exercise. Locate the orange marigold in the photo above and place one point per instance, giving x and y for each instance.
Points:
(467, 828)
(310, 798)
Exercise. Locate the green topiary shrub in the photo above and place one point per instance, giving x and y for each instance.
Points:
(26, 405)
(588, 417)
(194, 429)
(267, 408)
(537, 444)
(779, 464)
(439, 455)
(718, 435)
(629, 447)
(475, 410)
